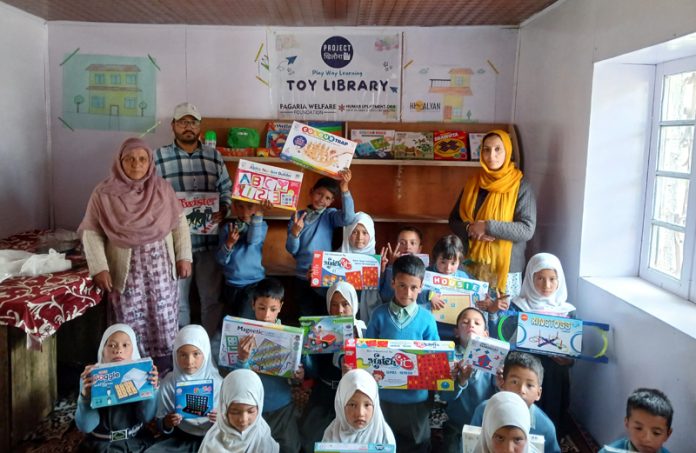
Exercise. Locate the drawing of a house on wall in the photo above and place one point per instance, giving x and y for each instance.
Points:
(113, 90)
(454, 91)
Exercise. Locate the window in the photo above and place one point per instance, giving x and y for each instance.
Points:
(115, 79)
(129, 103)
(97, 102)
(131, 79)
(99, 79)
(669, 233)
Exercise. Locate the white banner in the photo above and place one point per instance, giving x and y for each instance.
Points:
(336, 75)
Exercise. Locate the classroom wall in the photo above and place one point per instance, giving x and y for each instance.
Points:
(552, 110)
(214, 68)
(24, 175)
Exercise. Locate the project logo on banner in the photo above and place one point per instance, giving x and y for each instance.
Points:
(336, 75)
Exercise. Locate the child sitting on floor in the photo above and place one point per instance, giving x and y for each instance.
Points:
(505, 426)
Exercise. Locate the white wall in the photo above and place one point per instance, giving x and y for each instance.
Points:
(552, 110)
(24, 175)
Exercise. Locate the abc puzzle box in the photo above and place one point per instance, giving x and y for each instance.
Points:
(121, 382)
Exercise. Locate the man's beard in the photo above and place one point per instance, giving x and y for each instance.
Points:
(184, 138)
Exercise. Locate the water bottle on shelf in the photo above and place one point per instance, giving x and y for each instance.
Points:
(210, 139)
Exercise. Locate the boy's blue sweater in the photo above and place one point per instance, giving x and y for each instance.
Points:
(318, 234)
(420, 327)
(541, 425)
(242, 265)
(387, 292)
(625, 444)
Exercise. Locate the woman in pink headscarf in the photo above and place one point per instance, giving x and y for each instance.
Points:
(137, 242)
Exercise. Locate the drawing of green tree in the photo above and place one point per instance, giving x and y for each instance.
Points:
(79, 99)
(142, 106)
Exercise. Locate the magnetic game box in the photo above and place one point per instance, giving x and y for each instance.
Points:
(450, 145)
(325, 334)
(373, 143)
(333, 447)
(276, 349)
(404, 364)
(121, 382)
(360, 270)
(485, 353)
(194, 398)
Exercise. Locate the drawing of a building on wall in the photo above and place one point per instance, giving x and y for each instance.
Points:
(454, 92)
(113, 90)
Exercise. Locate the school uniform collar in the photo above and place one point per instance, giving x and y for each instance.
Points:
(402, 314)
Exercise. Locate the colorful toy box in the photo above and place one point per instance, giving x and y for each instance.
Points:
(199, 208)
(121, 382)
(276, 135)
(451, 145)
(256, 182)
(320, 151)
(413, 145)
(326, 334)
(475, 142)
(276, 349)
(457, 293)
(360, 270)
(549, 334)
(194, 398)
(373, 143)
(454, 304)
(485, 353)
(471, 434)
(332, 447)
(404, 364)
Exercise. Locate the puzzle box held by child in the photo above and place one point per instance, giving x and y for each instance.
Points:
(443, 284)
(485, 353)
(471, 434)
(360, 270)
(256, 182)
(194, 398)
(318, 150)
(404, 364)
(373, 143)
(334, 447)
(121, 382)
(276, 350)
(550, 335)
(454, 304)
(450, 145)
(325, 334)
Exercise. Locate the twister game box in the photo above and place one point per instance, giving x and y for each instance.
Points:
(318, 150)
(255, 182)
(325, 334)
(194, 398)
(333, 447)
(276, 349)
(121, 382)
(485, 353)
(360, 270)
(404, 364)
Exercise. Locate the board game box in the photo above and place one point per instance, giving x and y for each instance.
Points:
(320, 151)
(121, 382)
(256, 182)
(471, 434)
(413, 145)
(373, 143)
(404, 364)
(325, 334)
(475, 141)
(194, 398)
(360, 270)
(277, 133)
(485, 353)
(199, 208)
(549, 334)
(443, 284)
(276, 351)
(333, 447)
(454, 304)
(451, 145)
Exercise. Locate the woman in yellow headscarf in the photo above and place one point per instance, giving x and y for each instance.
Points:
(496, 216)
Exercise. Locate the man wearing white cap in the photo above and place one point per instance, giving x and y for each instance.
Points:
(191, 167)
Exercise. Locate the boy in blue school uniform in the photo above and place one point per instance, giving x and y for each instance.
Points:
(312, 229)
(473, 386)
(648, 422)
(406, 411)
(523, 374)
(278, 407)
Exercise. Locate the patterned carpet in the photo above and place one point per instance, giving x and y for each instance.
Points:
(56, 433)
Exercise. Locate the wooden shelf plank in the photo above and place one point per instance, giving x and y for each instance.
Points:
(380, 219)
(388, 162)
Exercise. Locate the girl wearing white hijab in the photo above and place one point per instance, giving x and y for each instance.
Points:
(118, 343)
(349, 294)
(544, 287)
(359, 237)
(239, 427)
(192, 361)
(506, 424)
(356, 397)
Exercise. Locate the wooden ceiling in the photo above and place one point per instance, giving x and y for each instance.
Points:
(292, 13)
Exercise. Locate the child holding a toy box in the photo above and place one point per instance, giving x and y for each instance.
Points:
(409, 241)
(121, 426)
(648, 422)
(239, 426)
(472, 386)
(506, 426)
(278, 408)
(312, 229)
(359, 416)
(192, 362)
(326, 369)
(523, 374)
(406, 411)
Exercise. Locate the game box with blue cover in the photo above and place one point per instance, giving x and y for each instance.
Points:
(194, 398)
(121, 382)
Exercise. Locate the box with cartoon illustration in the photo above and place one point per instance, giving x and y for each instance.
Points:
(320, 151)
(199, 209)
(485, 353)
(413, 145)
(551, 335)
(451, 145)
(194, 398)
(333, 447)
(360, 270)
(458, 293)
(276, 348)
(404, 364)
(255, 182)
(373, 143)
(475, 142)
(325, 334)
(121, 382)
(276, 135)
(454, 304)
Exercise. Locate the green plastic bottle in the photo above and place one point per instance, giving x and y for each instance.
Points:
(210, 139)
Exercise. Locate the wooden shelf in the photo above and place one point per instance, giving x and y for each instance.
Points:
(412, 162)
(379, 219)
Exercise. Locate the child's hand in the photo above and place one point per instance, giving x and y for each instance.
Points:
(86, 379)
(299, 374)
(385, 259)
(232, 237)
(346, 176)
(212, 416)
(393, 254)
(464, 372)
(484, 304)
(502, 302)
(244, 348)
(154, 377)
(297, 223)
(266, 205)
(436, 303)
(172, 420)
(103, 281)
(220, 215)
